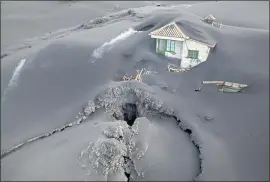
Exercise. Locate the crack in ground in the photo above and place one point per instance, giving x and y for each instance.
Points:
(194, 142)
(31, 140)
(134, 99)
(112, 154)
(138, 103)
(129, 166)
(81, 117)
(128, 176)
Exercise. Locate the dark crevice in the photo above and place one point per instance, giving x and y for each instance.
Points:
(189, 132)
(130, 113)
(126, 161)
(128, 176)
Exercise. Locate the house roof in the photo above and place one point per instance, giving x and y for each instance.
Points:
(210, 17)
(195, 33)
(184, 29)
(169, 30)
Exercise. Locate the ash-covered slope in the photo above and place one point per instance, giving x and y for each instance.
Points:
(117, 146)
(66, 74)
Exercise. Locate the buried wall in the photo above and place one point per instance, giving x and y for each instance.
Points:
(193, 45)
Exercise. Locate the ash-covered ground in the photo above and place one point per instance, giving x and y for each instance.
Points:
(66, 114)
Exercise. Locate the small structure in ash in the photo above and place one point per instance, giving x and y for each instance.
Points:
(210, 19)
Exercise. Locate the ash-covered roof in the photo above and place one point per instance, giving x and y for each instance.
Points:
(169, 30)
(195, 33)
(186, 30)
(210, 17)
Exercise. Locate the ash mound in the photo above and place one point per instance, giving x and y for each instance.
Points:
(128, 144)
(127, 101)
(130, 96)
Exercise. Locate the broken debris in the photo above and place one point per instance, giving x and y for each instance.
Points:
(230, 89)
(207, 118)
(126, 77)
(138, 76)
(175, 68)
(225, 83)
(198, 89)
(163, 86)
(225, 86)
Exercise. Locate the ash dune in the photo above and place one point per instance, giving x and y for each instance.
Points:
(61, 76)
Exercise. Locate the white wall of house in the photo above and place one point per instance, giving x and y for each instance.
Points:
(181, 52)
(193, 45)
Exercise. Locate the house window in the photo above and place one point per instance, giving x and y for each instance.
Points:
(194, 54)
(170, 45)
(161, 44)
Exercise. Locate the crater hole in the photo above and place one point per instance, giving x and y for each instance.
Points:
(130, 113)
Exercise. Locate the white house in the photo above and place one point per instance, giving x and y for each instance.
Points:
(181, 40)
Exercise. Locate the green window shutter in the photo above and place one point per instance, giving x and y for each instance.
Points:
(194, 54)
(162, 45)
(173, 46)
(157, 44)
(168, 45)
